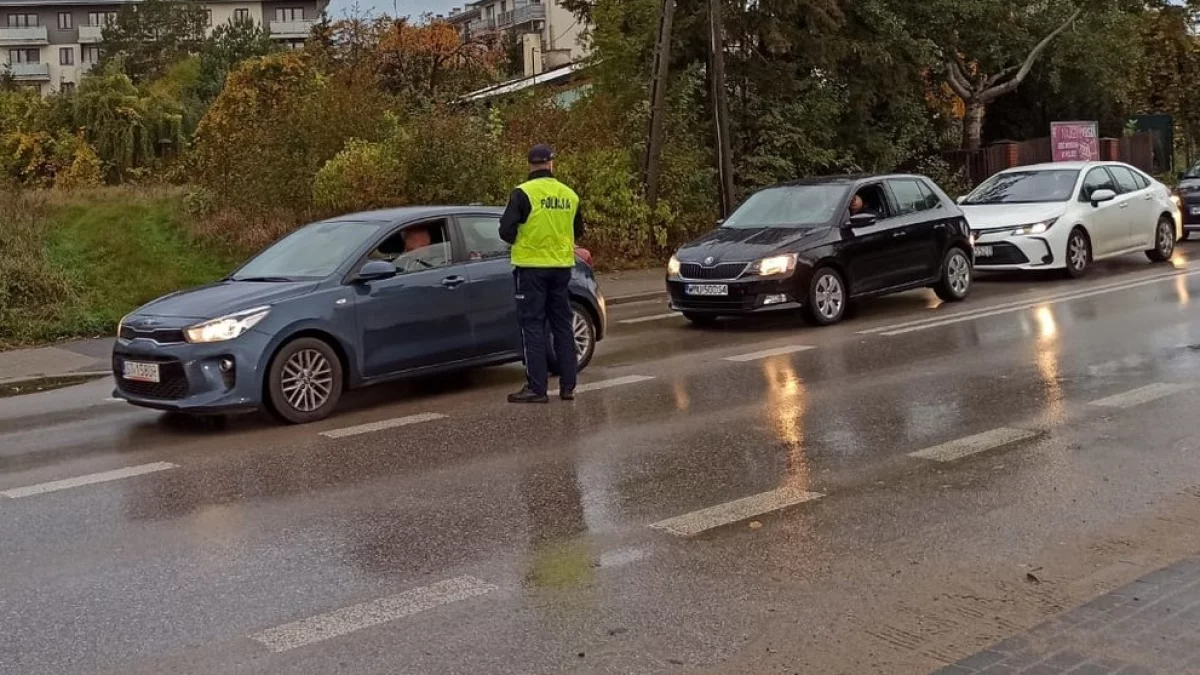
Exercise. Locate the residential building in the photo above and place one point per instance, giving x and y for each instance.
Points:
(50, 44)
(551, 36)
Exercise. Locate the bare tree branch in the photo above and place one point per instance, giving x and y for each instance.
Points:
(991, 81)
(995, 92)
(958, 81)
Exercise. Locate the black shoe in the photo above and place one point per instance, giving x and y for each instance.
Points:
(567, 395)
(527, 395)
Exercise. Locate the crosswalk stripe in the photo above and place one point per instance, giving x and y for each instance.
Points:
(971, 445)
(767, 353)
(697, 522)
(89, 479)
(1136, 397)
(382, 425)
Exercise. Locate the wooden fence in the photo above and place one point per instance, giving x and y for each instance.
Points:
(978, 165)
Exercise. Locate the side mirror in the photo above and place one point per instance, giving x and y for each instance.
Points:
(1099, 196)
(720, 222)
(376, 270)
(863, 220)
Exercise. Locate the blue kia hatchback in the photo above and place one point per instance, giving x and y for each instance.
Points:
(339, 304)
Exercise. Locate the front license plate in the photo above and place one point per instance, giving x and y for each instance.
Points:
(983, 251)
(1196, 210)
(707, 289)
(141, 372)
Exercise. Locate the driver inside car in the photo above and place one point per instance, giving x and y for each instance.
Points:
(420, 253)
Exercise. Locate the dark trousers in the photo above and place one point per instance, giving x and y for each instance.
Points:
(542, 299)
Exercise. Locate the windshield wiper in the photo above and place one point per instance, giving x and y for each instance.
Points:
(271, 280)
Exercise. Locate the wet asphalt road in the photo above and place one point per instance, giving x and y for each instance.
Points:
(457, 534)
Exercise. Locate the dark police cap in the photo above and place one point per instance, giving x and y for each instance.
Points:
(540, 154)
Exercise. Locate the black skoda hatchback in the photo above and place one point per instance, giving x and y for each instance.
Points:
(816, 244)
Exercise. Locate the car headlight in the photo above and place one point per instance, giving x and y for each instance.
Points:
(775, 265)
(673, 266)
(226, 327)
(121, 323)
(1034, 228)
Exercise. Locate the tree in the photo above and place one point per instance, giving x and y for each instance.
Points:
(230, 44)
(432, 61)
(148, 37)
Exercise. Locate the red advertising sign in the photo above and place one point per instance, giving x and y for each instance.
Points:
(1074, 141)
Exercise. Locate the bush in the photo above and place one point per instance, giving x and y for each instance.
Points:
(33, 293)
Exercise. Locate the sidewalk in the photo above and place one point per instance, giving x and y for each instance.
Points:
(86, 357)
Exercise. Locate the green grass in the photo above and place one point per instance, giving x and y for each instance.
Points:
(120, 254)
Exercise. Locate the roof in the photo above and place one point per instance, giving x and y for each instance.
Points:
(844, 179)
(406, 213)
(520, 84)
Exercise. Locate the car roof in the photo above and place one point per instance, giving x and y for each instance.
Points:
(409, 213)
(844, 179)
(1061, 166)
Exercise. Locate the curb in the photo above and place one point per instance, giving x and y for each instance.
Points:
(18, 381)
(635, 297)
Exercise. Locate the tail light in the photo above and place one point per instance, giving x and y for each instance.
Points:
(584, 255)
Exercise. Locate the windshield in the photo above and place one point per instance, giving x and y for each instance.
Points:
(790, 206)
(1025, 187)
(312, 252)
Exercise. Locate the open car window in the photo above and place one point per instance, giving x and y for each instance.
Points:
(417, 247)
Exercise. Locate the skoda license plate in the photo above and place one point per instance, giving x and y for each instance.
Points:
(983, 251)
(141, 372)
(707, 289)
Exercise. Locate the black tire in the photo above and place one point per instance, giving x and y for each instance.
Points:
(1164, 241)
(1078, 253)
(957, 276)
(582, 324)
(312, 369)
(701, 320)
(827, 297)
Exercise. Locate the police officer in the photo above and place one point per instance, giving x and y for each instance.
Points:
(542, 222)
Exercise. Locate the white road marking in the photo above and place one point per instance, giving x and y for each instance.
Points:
(1141, 395)
(1018, 306)
(971, 445)
(696, 522)
(382, 425)
(767, 353)
(89, 479)
(606, 384)
(652, 317)
(357, 617)
(112, 399)
(622, 556)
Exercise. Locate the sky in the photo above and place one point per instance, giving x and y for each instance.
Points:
(397, 7)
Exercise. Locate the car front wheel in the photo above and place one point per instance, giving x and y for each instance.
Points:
(1164, 241)
(304, 381)
(956, 276)
(583, 333)
(826, 297)
(1079, 253)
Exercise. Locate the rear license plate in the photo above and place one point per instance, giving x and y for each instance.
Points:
(1196, 210)
(141, 372)
(707, 289)
(983, 251)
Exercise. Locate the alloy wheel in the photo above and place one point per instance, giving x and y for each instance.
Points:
(582, 332)
(307, 380)
(1166, 239)
(829, 296)
(1077, 253)
(958, 273)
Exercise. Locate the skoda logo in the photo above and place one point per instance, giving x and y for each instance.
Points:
(708, 260)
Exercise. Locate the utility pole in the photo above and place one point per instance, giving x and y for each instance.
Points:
(658, 100)
(720, 105)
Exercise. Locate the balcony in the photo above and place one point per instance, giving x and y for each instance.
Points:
(510, 19)
(90, 35)
(292, 30)
(33, 36)
(30, 72)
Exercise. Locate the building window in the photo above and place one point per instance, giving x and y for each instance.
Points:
(24, 56)
(67, 88)
(66, 56)
(65, 21)
(289, 14)
(22, 20)
(102, 18)
(91, 54)
(242, 15)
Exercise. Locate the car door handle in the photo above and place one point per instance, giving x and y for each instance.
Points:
(453, 282)
(899, 233)
(1124, 205)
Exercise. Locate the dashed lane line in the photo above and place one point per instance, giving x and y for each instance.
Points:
(697, 522)
(383, 424)
(767, 353)
(607, 384)
(973, 445)
(357, 617)
(1136, 397)
(652, 317)
(89, 479)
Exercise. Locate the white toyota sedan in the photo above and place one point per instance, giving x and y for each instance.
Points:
(1065, 215)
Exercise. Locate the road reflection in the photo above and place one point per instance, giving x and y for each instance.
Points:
(785, 410)
(1049, 352)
